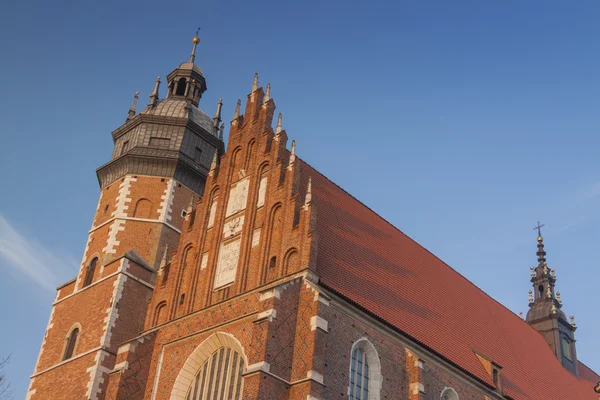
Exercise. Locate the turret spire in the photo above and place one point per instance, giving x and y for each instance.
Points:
(217, 117)
(236, 114)
(164, 260)
(255, 83)
(279, 125)
(131, 112)
(195, 40)
(540, 253)
(154, 94)
(308, 197)
(268, 93)
(292, 156)
(213, 164)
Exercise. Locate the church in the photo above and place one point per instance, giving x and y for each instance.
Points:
(235, 271)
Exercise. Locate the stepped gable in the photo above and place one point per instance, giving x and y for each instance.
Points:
(371, 263)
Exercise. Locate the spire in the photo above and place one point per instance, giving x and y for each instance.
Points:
(255, 83)
(540, 253)
(213, 165)
(236, 114)
(217, 117)
(190, 208)
(164, 261)
(308, 197)
(292, 155)
(222, 130)
(268, 93)
(154, 94)
(131, 112)
(195, 40)
(279, 128)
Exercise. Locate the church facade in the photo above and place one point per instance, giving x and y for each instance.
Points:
(241, 272)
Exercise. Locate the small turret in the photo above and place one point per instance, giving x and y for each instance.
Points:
(154, 94)
(131, 112)
(545, 312)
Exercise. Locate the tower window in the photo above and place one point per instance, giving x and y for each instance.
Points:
(181, 87)
(197, 154)
(541, 292)
(273, 262)
(89, 274)
(566, 349)
(125, 147)
(70, 345)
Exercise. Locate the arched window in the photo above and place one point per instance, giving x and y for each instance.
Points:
(541, 292)
(89, 274)
(449, 394)
(219, 378)
(220, 363)
(365, 372)
(70, 345)
(159, 313)
(143, 209)
(180, 87)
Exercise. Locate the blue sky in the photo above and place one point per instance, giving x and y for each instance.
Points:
(463, 123)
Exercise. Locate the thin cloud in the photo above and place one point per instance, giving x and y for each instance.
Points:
(29, 257)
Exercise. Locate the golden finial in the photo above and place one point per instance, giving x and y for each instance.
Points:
(521, 315)
(532, 271)
(553, 309)
(530, 296)
(572, 321)
(549, 292)
(545, 269)
(195, 40)
(553, 273)
(558, 298)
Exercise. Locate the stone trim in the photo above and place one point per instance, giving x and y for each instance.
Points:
(270, 315)
(135, 278)
(416, 388)
(95, 228)
(318, 322)
(166, 206)
(202, 353)
(68, 361)
(375, 376)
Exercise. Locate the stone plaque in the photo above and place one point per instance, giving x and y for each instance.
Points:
(204, 261)
(213, 212)
(227, 265)
(262, 190)
(255, 238)
(233, 227)
(237, 197)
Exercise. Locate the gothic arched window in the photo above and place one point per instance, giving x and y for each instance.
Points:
(365, 372)
(70, 344)
(219, 378)
(89, 274)
(449, 394)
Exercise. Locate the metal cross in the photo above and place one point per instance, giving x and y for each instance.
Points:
(539, 228)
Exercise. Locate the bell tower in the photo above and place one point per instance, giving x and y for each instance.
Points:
(545, 313)
(159, 165)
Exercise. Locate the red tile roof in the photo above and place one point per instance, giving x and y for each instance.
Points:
(371, 263)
